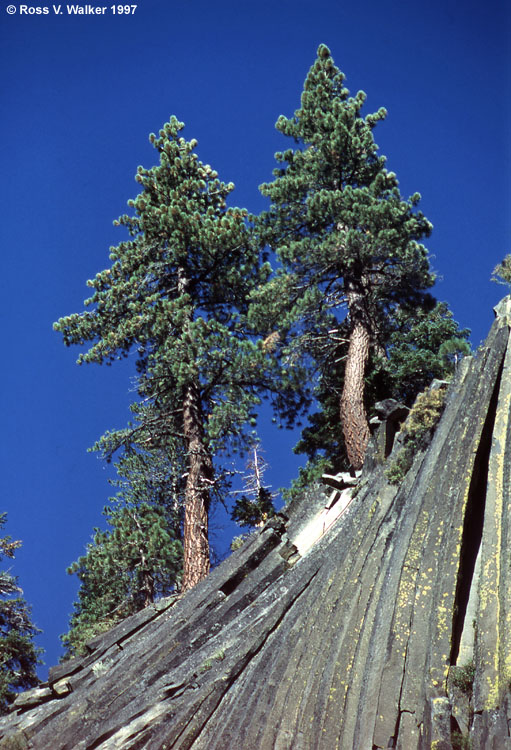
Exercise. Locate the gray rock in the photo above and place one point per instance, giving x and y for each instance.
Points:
(354, 644)
(32, 697)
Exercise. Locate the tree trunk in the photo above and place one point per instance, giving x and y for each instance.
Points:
(198, 481)
(147, 585)
(197, 493)
(353, 415)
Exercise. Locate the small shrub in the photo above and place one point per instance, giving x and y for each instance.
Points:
(418, 428)
(425, 413)
(254, 512)
(238, 541)
(464, 676)
(460, 741)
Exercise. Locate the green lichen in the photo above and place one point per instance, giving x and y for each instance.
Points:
(417, 430)
(239, 541)
(217, 656)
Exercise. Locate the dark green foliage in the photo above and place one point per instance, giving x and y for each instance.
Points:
(349, 245)
(177, 291)
(152, 466)
(422, 344)
(347, 240)
(19, 656)
(337, 213)
(248, 512)
(139, 558)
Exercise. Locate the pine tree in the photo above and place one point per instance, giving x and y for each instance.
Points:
(347, 240)
(176, 291)
(19, 656)
(421, 345)
(138, 559)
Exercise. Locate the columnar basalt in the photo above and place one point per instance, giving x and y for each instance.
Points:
(389, 627)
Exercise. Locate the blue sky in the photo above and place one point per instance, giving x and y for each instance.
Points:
(80, 95)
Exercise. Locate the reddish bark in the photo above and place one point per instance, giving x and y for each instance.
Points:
(353, 415)
(198, 482)
(197, 494)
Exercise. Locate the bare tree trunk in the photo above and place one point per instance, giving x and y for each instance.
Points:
(197, 493)
(353, 415)
(198, 481)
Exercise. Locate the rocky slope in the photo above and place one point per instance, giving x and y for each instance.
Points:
(356, 620)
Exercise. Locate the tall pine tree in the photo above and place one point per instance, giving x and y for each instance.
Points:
(348, 242)
(176, 291)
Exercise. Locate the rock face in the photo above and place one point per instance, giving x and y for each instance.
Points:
(387, 625)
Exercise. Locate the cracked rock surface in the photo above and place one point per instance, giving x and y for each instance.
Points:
(391, 628)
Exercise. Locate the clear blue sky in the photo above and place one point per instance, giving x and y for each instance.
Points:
(79, 96)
